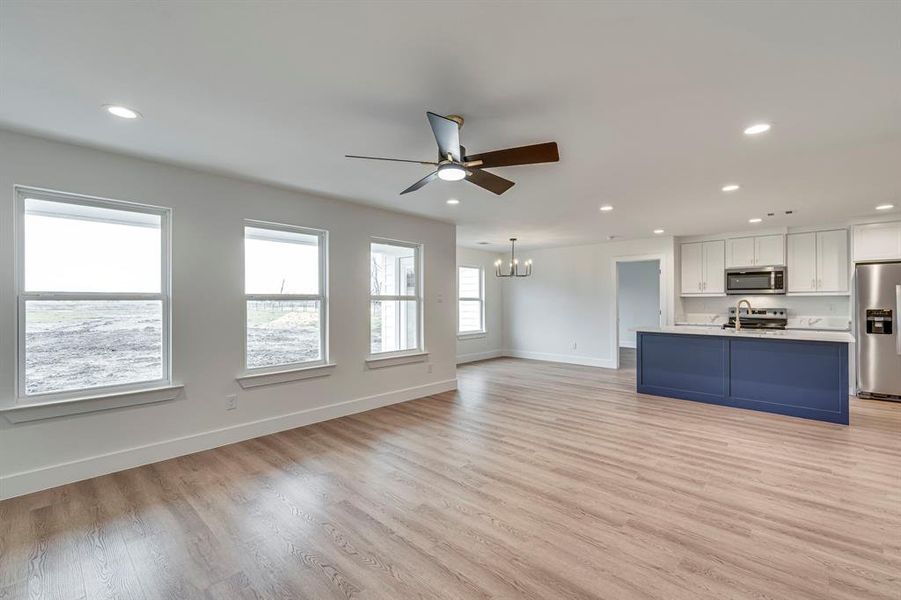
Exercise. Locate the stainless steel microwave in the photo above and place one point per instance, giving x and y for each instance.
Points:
(756, 280)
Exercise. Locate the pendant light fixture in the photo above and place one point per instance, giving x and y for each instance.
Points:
(513, 270)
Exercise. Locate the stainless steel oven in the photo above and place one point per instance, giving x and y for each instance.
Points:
(756, 280)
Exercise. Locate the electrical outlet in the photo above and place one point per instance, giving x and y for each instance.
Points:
(430, 367)
(231, 402)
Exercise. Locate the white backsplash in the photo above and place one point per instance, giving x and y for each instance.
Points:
(804, 312)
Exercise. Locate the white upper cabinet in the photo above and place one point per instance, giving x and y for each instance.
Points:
(760, 251)
(769, 250)
(715, 267)
(818, 262)
(692, 268)
(877, 241)
(703, 264)
(740, 252)
(832, 261)
(802, 262)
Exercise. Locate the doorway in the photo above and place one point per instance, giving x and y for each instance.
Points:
(638, 304)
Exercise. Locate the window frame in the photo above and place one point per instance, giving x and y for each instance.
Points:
(480, 300)
(418, 264)
(322, 297)
(22, 296)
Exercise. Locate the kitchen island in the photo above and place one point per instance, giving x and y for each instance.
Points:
(796, 373)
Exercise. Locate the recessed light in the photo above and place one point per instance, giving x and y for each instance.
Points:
(658, 231)
(731, 187)
(755, 220)
(757, 128)
(606, 208)
(123, 112)
(453, 201)
(885, 207)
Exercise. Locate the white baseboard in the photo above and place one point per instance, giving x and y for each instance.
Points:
(26, 482)
(627, 344)
(474, 356)
(573, 359)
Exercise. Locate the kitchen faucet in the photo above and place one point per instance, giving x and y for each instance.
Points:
(738, 312)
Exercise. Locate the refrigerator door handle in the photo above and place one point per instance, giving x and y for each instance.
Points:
(897, 319)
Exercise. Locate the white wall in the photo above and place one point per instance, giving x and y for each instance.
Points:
(638, 297)
(207, 309)
(570, 300)
(489, 345)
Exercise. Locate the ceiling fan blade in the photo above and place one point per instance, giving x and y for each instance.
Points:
(403, 160)
(447, 135)
(427, 179)
(489, 181)
(524, 155)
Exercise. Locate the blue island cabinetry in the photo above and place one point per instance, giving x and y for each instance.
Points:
(800, 378)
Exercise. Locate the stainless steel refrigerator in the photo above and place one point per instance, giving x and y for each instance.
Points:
(878, 335)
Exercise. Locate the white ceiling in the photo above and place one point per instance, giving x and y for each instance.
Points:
(647, 102)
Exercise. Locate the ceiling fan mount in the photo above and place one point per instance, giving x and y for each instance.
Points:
(454, 164)
(456, 119)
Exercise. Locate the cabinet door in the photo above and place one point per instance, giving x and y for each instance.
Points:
(877, 241)
(802, 262)
(740, 252)
(692, 268)
(832, 261)
(769, 250)
(714, 267)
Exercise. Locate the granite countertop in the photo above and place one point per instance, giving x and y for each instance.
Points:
(786, 334)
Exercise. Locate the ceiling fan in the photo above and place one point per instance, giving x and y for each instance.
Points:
(454, 164)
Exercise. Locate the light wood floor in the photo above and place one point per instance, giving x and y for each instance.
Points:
(535, 480)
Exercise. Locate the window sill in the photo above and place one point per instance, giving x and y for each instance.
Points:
(36, 411)
(378, 362)
(473, 335)
(254, 380)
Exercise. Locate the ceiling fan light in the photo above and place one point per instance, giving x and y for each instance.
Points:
(451, 172)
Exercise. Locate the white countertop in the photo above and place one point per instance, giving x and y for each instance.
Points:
(787, 334)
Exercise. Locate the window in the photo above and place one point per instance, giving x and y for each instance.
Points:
(93, 295)
(470, 300)
(395, 299)
(285, 287)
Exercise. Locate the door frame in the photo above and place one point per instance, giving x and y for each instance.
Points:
(661, 300)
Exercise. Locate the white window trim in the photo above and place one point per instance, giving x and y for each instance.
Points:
(36, 411)
(93, 398)
(255, 377)
(284, 376)
(389, 358)
(481, 300)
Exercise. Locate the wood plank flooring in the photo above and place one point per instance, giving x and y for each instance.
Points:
(534, 480)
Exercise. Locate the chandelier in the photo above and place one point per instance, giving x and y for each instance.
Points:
(513, 270)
